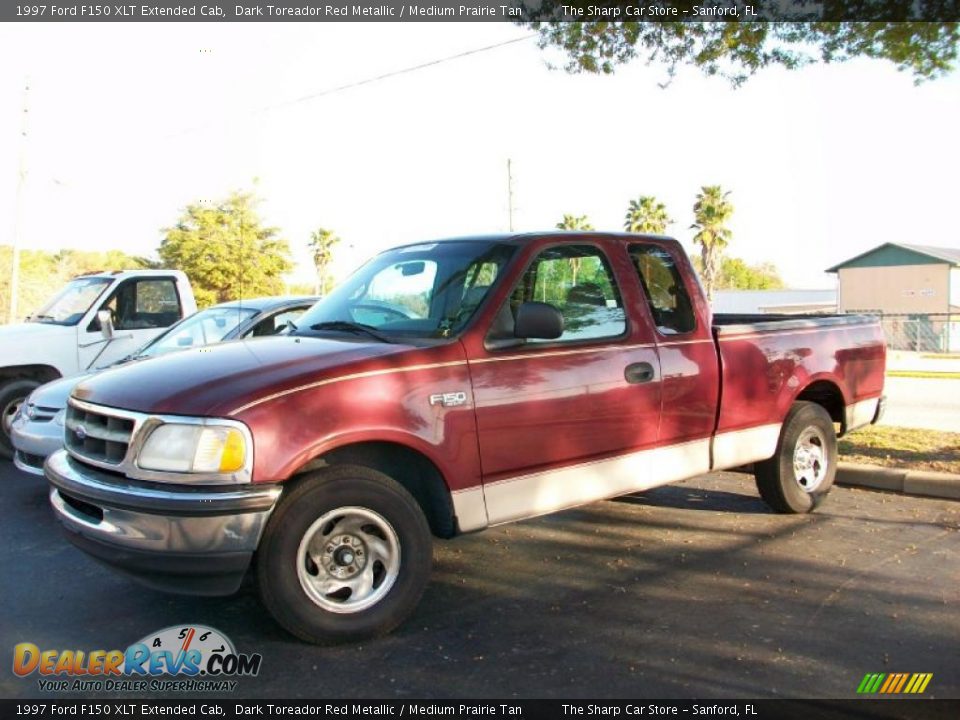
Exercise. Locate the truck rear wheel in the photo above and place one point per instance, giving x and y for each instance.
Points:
(13, 393)
(799, 476)
(346, 556)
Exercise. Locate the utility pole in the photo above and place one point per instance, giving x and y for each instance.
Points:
(510, 194)
(13, 311)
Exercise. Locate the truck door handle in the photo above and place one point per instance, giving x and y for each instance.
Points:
(640, 372)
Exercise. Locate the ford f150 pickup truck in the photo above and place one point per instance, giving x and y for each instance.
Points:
(443, 388)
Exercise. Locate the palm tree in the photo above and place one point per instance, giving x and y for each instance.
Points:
(574, 222)
(711, 211)
(647, 215)
(321, 246)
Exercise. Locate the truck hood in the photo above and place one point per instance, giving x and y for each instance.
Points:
(213, 380)
(16, 339)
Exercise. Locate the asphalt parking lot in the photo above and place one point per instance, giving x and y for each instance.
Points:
(693, 590)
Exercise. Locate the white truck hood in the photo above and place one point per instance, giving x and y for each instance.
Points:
(28, 334)
(35, 343)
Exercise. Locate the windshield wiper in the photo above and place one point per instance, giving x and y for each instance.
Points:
(354, 327)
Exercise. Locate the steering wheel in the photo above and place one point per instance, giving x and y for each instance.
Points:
(393, 312)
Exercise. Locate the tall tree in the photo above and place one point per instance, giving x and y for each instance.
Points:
(647, 215)
(226, 251)
(711, 211)
(574, 222)
(737, 50)
(321, 248)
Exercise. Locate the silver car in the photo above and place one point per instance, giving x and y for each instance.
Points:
(37, 428)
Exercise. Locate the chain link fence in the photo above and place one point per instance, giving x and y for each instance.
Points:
(933, 333)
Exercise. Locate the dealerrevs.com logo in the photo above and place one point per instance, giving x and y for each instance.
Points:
(179, 658)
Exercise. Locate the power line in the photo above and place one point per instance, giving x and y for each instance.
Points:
(395, 73)
(370, 80)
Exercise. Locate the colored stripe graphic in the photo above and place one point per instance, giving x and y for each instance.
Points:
(894, 683)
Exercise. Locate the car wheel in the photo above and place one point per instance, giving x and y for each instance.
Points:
(346, 556)
(13, 393)
(799, 476)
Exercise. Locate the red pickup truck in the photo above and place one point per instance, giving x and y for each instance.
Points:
(443, 388)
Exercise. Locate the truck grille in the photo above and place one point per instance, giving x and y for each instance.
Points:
(39, 413)
(97, 436)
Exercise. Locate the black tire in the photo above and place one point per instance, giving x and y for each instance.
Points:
(785, 489)
(285, 589)
(12, 394)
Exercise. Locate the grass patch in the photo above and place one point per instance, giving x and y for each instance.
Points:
(903, 448)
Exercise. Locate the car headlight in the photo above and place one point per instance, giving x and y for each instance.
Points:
(174, 447)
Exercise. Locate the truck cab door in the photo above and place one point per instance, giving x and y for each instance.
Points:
(565, 421)
(141, 308)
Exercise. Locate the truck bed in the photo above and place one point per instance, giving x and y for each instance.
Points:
(735, 324)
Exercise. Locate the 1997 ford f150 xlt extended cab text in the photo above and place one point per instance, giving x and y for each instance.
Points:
(443, 388)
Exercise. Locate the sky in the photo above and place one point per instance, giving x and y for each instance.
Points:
(128, 123)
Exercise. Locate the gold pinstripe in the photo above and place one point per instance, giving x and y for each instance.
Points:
(344, 378)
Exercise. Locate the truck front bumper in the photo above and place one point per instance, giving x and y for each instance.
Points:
(176, 538)
(33, 442)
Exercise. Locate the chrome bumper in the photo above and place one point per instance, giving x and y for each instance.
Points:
(177, 538)
(34, 442)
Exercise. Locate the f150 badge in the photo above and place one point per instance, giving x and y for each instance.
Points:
(450, 399)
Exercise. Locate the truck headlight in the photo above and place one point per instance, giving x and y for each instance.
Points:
(174, 447)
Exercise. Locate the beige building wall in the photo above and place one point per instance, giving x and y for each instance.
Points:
(896, 289)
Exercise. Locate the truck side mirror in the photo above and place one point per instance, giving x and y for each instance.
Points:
(106, 324)
(538, 320)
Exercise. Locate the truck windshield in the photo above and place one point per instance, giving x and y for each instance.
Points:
(419, 291)
(70, 304)
(203, 328)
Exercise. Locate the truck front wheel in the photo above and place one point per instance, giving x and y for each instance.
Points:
(13, 393)
(799, 476)
(346, 556)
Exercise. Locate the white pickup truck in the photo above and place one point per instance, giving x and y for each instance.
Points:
(93, 321)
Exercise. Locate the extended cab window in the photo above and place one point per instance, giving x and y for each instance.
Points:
(576, 280)
(669, 302)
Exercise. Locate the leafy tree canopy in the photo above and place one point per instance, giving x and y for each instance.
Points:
(226, 251)
(736, 274)
(736, 50)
